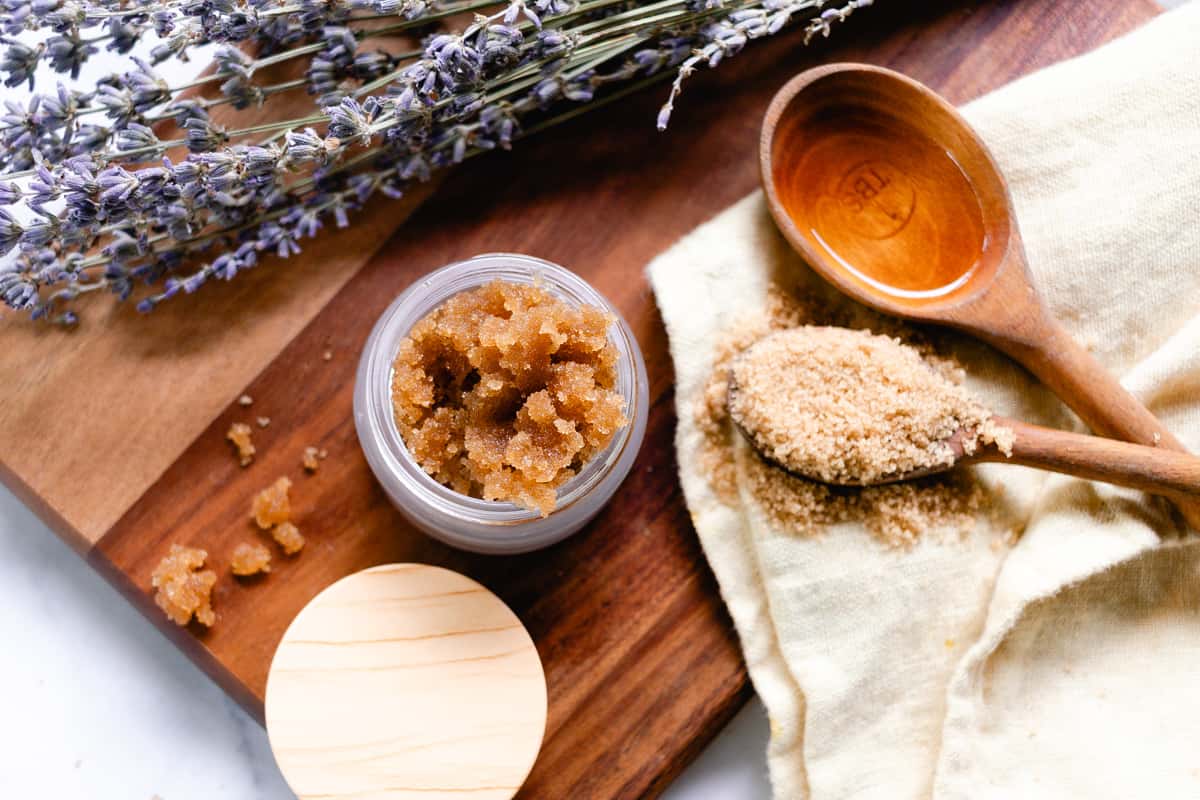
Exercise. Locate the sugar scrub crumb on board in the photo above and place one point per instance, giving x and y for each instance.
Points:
(895, 515)
(250, 559)
(240, 435)
(504, 392)
(851, 407)
(183, 589)
(311, 459)
(272, 505)
(288, 537)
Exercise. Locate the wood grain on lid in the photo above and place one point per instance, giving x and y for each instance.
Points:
(406, 681)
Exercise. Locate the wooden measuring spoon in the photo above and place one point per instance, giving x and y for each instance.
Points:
(886, 192)
(1149, 469)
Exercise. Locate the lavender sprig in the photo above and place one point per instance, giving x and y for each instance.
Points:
(106, 207)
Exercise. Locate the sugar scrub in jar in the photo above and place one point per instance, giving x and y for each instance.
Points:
(500, 402)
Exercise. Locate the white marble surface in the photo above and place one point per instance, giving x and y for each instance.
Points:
(101, 706)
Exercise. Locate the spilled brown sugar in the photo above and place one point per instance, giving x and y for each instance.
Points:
(851, 407)
(897, 515)
(504, 392)
(183, 588)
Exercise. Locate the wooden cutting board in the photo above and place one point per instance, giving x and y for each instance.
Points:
(115, 433)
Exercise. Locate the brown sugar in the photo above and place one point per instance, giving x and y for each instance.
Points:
(250, 559)
(897, 515)
(851, 407)
(272, 506)
(239, 434)
(289, 538)
(505, 391)
(183, 589)
(310, 459)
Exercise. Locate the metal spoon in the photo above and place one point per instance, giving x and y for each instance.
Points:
(887, 193)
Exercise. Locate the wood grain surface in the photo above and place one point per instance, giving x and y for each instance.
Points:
(115, 433)
(406, 682)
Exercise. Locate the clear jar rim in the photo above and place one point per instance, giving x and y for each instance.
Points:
(418, 300)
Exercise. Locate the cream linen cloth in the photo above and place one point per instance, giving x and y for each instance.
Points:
(1068, 666)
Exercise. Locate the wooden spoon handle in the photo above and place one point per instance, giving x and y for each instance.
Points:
(1093, 393)
(1151, 469)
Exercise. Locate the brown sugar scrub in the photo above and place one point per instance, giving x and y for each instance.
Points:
(272, 510)
(239, 434)
(897, 515)
(250, 559)
(272, 505)
(183, 588)
(505, 391)
(288, 537)
(850, 407)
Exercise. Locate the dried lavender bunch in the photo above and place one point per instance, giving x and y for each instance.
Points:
(106, 203)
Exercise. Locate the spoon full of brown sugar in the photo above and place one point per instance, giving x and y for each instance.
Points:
(889, 194)
(852, 408)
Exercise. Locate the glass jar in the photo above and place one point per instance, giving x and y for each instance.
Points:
(466, 522)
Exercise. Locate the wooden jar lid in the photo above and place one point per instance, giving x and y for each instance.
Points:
(406, 681)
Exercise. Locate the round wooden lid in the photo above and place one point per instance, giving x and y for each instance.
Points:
(406, 681)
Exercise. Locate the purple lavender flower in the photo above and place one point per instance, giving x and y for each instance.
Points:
(19, 292)
(306, 147)
(116, 186)
(350, 121)
(43, 188)
(146, 88)
(138, 138)
(183, 109)
(60, 110)
(40, 232)
(19, 62)
(67, 52)
(123, 248)
(117, 103)
(500, 46)
(99, 225)
(10, 231)
(57, 15)
(457, 63)
(272, 236)
(14, 14)
(204, 136)
(89, 138)
(164, 21)
(124, 33)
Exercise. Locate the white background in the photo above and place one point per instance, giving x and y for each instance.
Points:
(99, 705)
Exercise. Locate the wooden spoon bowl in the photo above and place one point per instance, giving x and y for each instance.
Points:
(889, 194)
